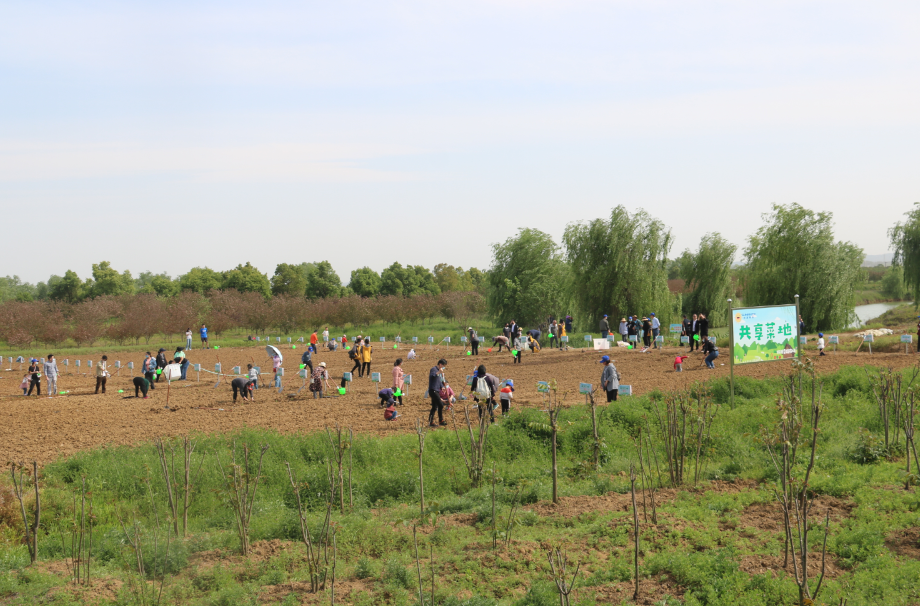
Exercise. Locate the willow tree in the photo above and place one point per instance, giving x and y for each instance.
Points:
(794, 253)
(707, 278)
(526, 280)
(905, 239)
(619, 266)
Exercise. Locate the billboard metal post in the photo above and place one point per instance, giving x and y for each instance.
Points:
(731, 358)
(798, 325)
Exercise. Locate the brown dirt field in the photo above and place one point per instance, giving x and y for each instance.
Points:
(44, 429)
(905, 543)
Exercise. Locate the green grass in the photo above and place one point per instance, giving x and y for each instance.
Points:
(699, 544)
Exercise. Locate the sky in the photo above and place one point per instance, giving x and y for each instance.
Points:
(166, 135)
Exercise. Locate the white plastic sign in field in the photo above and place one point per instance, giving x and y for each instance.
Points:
(303, 373)
(130, 365)
(415, 339)
(833, 339)
(383, 339)
(375, 377)
(907, 338)
(542, 386)
(588, 338)
(463, 339)
(601, 344)
(407, 379)
(633, 338)
(447, 339)
(624, 390)
(117, 363)
(217, 368)
(565, 338)
(611, 337)
(685, 339)
(78, 363)
(803, 340)
(196, 367)
(660, 339)
(67, 362)
(869, 338)
(399, 339)
(584, 388)
(431, 339)
(346, 376)
(280, 372)
(289, 339)
(675, 328)
(300, 340)
(236, 370)
(469, 379)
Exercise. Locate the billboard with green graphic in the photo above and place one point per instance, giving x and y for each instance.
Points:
(764, 334)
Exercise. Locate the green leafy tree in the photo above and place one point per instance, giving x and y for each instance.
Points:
(289, 280)
(619, 266)
(68, 289)
(905, 239)
(107, 281)
(246, 278)
(165, 286)
(323, 282)
(408, 281)
(13, 289)
(365, 282)
(527, 278)
(447, 277)
(893, 283)
(794, 253)
(201, 280)
(707, 278)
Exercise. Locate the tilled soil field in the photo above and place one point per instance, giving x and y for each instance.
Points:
(43, 429)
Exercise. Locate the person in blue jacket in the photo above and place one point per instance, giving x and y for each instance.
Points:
(204, 336)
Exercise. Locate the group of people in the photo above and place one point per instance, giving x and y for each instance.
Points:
(32, 380)
(514, 339)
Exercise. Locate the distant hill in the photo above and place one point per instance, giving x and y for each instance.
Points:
(873, 260)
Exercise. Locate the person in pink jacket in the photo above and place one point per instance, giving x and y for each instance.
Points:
(398, 379)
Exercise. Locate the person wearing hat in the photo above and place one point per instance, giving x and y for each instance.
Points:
(505, 395)
(623, 330)
(35, 377)
(605, 327)
(244, 386)
(610, 379)
(149, 368)
(631, 329)
(656, 329)
(161, 362)
(474, 340)
(435, 382)
(320, 380)
(646, 333)
(820, 343)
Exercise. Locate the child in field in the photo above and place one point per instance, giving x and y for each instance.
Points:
(820, 343)
(344, 341)
(447, 394)
(24, 386)
(506, 395)
(412, 355)
(390, 414)
(679, 363)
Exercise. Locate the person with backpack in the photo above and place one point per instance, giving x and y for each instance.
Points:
(485, 386)
(307, 359)
(355, 356)
(610, 379)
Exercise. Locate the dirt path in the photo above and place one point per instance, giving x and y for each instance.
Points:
(44, 429)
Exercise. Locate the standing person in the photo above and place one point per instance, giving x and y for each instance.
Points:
(568, 324)
(326, 335)
(801, 326)
(605, 327)
(182, 361)
(50, 369)
(188, 338)
(313, 340)
(686, 326)
(24, 386)
(276, 364)
(820, 343)
(694, 326)
(610, 379)
(631, 330)
(474, 341)
(656, 329)
(703, 327)
(518, 346)
(484, 386)
(398, 379)
(503, 340)
(561, 334)
(506, 331)
(307, 359)
(354, 355)
(646, 333)
(711, 351)
(320, 381)
(554, 334)
(141, 384)
(161, 363)
(244, 387)
(35, 377)
(366, 352)
(623, 329)
(149, 368)
(253, 375)
(435, 382)
(102, 373)
(344, 341)
(204, 336)
(514, 328)
(506, 395)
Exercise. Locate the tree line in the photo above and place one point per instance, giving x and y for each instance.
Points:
(619, 266)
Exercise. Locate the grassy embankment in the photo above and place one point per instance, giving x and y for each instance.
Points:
(700, 552)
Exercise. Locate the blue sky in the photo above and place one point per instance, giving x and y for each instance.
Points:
(161, 136)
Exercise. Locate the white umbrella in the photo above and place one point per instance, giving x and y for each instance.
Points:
(273, 351)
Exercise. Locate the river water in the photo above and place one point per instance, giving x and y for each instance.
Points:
(873, 310)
